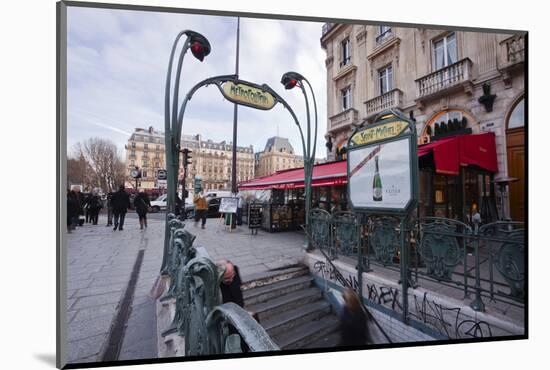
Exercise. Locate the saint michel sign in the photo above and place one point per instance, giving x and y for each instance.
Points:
(383, 166)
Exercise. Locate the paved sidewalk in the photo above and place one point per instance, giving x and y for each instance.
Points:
(252, 253)
(101, 261)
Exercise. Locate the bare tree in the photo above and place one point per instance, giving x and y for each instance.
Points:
(104, 167)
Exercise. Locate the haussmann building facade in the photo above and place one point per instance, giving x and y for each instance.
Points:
(464, 89)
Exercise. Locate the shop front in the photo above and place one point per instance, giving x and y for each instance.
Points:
(456, 178)
(456, 181)
(283, 197)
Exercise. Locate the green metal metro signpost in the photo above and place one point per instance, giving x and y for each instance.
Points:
(382, 169)
(237, 91)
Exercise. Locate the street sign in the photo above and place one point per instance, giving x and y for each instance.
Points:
(229, 205)
(162, 184)
(135, 173)
(161, 175)
(246, 93)
(383, 166)
(197, 185)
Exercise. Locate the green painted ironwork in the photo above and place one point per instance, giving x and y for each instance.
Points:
(384, 238)
(345, 233)
(442, 245)
(319, 230)
(506, 242)
(199, 315)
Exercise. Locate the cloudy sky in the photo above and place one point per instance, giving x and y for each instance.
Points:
(117, 62)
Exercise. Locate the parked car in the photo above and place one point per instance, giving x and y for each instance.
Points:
(159, 204)
(214, 207)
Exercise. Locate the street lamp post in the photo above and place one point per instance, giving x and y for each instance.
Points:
(200, 47)
(289, 81)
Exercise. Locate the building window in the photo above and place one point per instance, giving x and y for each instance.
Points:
(132, 162)
(385, 79)
(145, 146)
(133, 144)
(143, 173)
(444, 51)
(151, 139)
(346, 52)
(133, 153)
(346, 98)
(158, 140)
(158, 147)
(517, 118)
(384, 32)
(157, 164)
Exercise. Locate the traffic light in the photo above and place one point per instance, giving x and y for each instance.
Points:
(186, 157)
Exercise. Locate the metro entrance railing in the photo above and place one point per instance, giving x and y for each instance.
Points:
(487, 261)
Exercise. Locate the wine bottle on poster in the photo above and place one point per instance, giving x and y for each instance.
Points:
(376, 183)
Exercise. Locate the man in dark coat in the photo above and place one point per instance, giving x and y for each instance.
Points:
(230, 287)
(231, 284)
(73, 210)
(142, 205)
(353, 321)
(121, 203)
(109, 209)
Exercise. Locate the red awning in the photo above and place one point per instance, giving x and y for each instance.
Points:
(449, 154)
(326, 174)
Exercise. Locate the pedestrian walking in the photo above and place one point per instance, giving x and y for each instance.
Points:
(353, 321)
(109, 207)
(142, 205)
(201, 208)
(86, 207)
(121, 203)
(73, 210)
(239, 209)
(94, 206)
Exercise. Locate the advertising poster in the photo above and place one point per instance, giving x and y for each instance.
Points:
(229, 205)
(380, 175)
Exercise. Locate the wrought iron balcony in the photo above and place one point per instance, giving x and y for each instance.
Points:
(326, 28)
(515, 49)
(512, 57)
(456, 75)
(391, 99)
(386, 35)
(343, 119)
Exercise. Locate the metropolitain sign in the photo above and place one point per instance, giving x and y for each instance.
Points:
(248, 95)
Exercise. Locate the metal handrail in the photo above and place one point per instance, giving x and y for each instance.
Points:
(199, 312)
(340, 278)
(253, 334)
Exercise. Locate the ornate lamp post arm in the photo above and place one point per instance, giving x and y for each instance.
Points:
(315, 109)
(200, 47)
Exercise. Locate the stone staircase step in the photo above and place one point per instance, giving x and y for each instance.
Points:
(304, 334)
(266, 292)
(277, 324)
(284, 302)
(273, 276)
(331, 340)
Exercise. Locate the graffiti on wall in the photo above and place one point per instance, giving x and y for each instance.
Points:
(447, 321)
